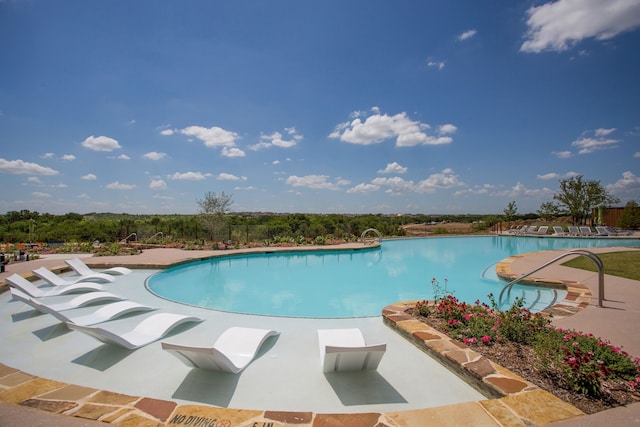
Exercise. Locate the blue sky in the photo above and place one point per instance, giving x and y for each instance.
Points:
(315, 107)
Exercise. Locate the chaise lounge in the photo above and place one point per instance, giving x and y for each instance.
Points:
(83, 269)
(145, 332)
(53, 279)
(232, 352)
(19, 282)
(75, 302)
(345, 350)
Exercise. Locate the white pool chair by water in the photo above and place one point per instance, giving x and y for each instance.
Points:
(19, 282)
(586, 231)
(573, 230)
(531, 229)
(232, 351)
(102, 313)
(145, 332)
(558, 231)
(45, 305)
(543, 230)
(53, 279)
(83, 269)
(345, 350)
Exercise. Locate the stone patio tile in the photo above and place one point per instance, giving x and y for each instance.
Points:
(160, 409)
(480, 368)
(412, 325)
(136, 420)
(185, 414)
(29, 389)
(347, 420)
(6, 370)
(56, 407)
(506, 385)
(539, 407)
(92, 411)
(463, 414)
(17, 377)
(501, 413)
(289, 417)
(111, 398)
(70, 392)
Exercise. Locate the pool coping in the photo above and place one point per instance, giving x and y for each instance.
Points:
(512, 401)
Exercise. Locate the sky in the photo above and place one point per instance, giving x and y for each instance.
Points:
(332, 106)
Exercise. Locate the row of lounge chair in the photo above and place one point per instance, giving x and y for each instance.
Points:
(233, 351)
(575, 231)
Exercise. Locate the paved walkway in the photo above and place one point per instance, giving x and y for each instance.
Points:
(614, 322)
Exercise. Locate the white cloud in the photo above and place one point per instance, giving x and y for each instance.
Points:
(311, 181)
(395, 185)
(363, 188)
(101, 143)
(158, 184)
(553, 175)
(48, 156)
(189, 176)
(563, 154)
(380, 127)
(34, 179)
(448, 128)
(276, 139)
(89, 177)
(432, 63)
(153, 155)
(123, 157)
(213, 136)
(559, 25)
(232, 152)
(167, 132)
(22, 167)
(68, 157)
(604, 132)
(230, 177)
(628, 184)
(588, 145)
(40, 195)
(519, 190)
(446, 179)
(118, 186)
(467, 34)
(394, 167)
(636, 154)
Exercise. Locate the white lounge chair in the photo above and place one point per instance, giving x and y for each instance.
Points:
(101, 314)
(531, 229)
(543, 230)
(83, 269)
(573, 230)
(53, 279)
(586, 231)
(614, 232)
(345, 350)
(27, 287)
(232, 351)
(558, 231)
(602, 231)
(147, 331)
(75, 302)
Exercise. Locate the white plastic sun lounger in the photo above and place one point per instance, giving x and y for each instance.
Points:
(83, 269)
(558, 231)
(101, 314)
(53, 279)
(573, 230)
(345, 350)
(232, 352)
(147, 331)
(75, 302)
(27, 287)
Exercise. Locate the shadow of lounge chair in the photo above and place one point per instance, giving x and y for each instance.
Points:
(83, 269)
(232, 352)
(145, 332)
(53, 279)
(345, 350)
(19, 282)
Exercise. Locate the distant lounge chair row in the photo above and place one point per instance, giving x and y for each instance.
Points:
(576, 231)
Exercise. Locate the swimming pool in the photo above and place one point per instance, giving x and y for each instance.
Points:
(340, 284)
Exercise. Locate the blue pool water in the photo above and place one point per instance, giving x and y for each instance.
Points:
(359, 283)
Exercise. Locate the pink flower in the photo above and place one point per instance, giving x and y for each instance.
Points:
(485, 339)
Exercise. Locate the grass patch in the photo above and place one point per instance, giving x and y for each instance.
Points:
(622, 264)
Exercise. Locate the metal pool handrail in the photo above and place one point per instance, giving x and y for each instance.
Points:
(593, 257)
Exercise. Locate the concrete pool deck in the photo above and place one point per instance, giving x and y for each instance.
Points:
(20, 387)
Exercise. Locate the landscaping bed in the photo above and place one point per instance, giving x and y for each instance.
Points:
(583, 370)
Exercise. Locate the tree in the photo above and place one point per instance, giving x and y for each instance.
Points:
(548, 210)
(580, 197)
(510, 211)
(213, 208)
(630, 217)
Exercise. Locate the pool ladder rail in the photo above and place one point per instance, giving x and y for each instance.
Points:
(593, 257)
